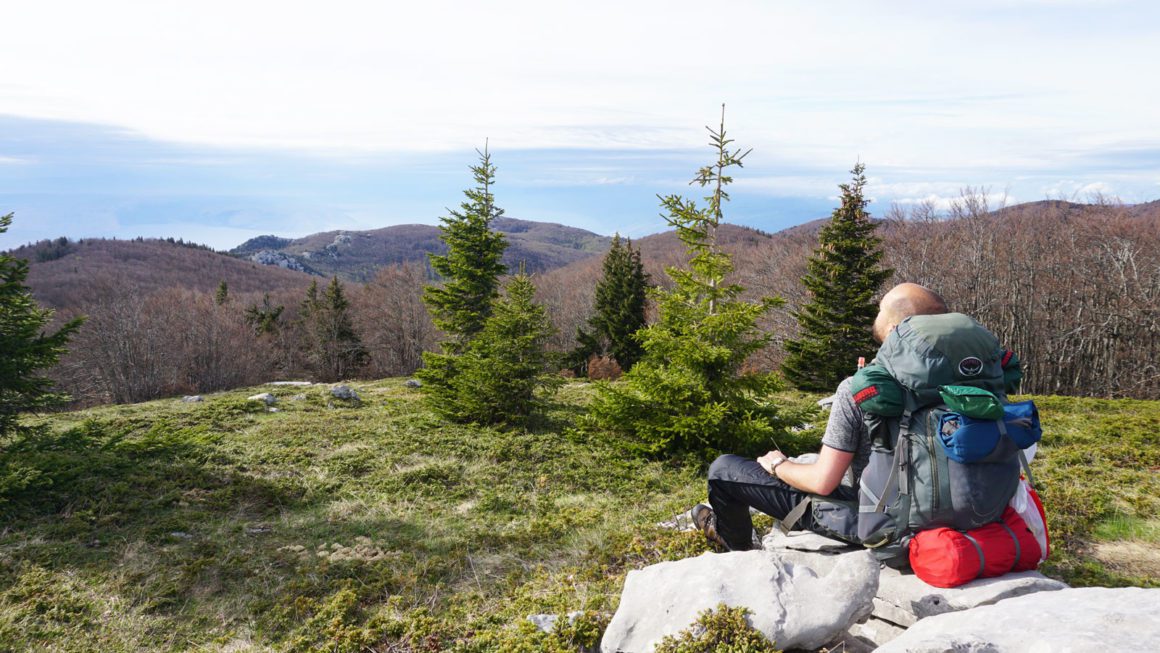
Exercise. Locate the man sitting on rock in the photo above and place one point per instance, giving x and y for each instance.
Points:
(773, 483)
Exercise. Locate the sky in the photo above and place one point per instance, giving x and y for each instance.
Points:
(219, 121)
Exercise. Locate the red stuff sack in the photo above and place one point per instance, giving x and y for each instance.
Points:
(944, 557)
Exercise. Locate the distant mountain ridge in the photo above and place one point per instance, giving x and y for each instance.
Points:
(357, 255)
(64, 274)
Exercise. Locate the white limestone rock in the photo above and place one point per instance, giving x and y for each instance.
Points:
(792, 604)
(264, 397)
(1067, 620)
(904, 599)
(545, 623)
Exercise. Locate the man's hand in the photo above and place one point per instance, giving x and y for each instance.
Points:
(770, 459)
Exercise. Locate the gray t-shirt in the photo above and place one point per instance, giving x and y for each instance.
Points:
(846, 432)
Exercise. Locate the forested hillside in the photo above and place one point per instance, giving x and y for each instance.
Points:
(66, 274)
(1074, 288)
(358, 255)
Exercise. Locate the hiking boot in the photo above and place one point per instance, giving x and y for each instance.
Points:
(706, 520)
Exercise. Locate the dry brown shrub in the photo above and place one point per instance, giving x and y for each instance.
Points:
(603, 368)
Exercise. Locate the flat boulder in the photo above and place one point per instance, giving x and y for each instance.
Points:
(791, 604)
(903, 599)
(1079, 619)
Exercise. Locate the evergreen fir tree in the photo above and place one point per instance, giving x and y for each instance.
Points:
(618, 309)
(223, 293)
(26, 346)
(689, 392)
(500, 372)
(843, 275)
(333, 349)
(472, 266)
(264, 319)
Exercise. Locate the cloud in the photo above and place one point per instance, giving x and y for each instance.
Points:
(945, 203)
(366, 76)
(1078, 190)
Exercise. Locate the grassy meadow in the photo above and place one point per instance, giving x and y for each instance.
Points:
(375, 525)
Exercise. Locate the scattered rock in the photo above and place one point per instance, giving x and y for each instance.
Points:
(903, 599)
(869, 634)
(258, 530)
(180, 535)
(192, 399)
(544, 622)
(1080, 619)
(290, 383)
(298, 398)
(792, 605)
(413, 383)
(264, 397)
(344, 392)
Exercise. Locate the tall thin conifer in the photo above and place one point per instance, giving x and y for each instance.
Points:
(472, 266)
(843, 275)
(618, 309)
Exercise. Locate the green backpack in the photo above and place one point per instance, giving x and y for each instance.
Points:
(930, 366)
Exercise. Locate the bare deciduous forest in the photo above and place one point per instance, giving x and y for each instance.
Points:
(1073, 288)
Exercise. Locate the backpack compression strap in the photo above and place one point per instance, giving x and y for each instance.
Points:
(1022, 457)
(897, 479)
(794, 516)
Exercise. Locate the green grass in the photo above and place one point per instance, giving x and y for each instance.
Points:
(1099, 472)
(377, 526)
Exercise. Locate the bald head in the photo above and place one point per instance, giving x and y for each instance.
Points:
(903, 301)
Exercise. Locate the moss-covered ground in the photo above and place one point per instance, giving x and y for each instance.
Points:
(374, 525)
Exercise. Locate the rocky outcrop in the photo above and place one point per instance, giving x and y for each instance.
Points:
(903, 599)
(269, 257)
(1080, 619)
(792, 604)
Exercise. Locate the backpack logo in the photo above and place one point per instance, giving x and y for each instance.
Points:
(970, 366)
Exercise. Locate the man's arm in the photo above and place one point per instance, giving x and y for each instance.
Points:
(820, 477)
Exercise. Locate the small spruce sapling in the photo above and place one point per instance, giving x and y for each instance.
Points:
(503, 373)
(690, 392)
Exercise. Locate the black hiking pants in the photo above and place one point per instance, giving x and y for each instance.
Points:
(737, 483)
